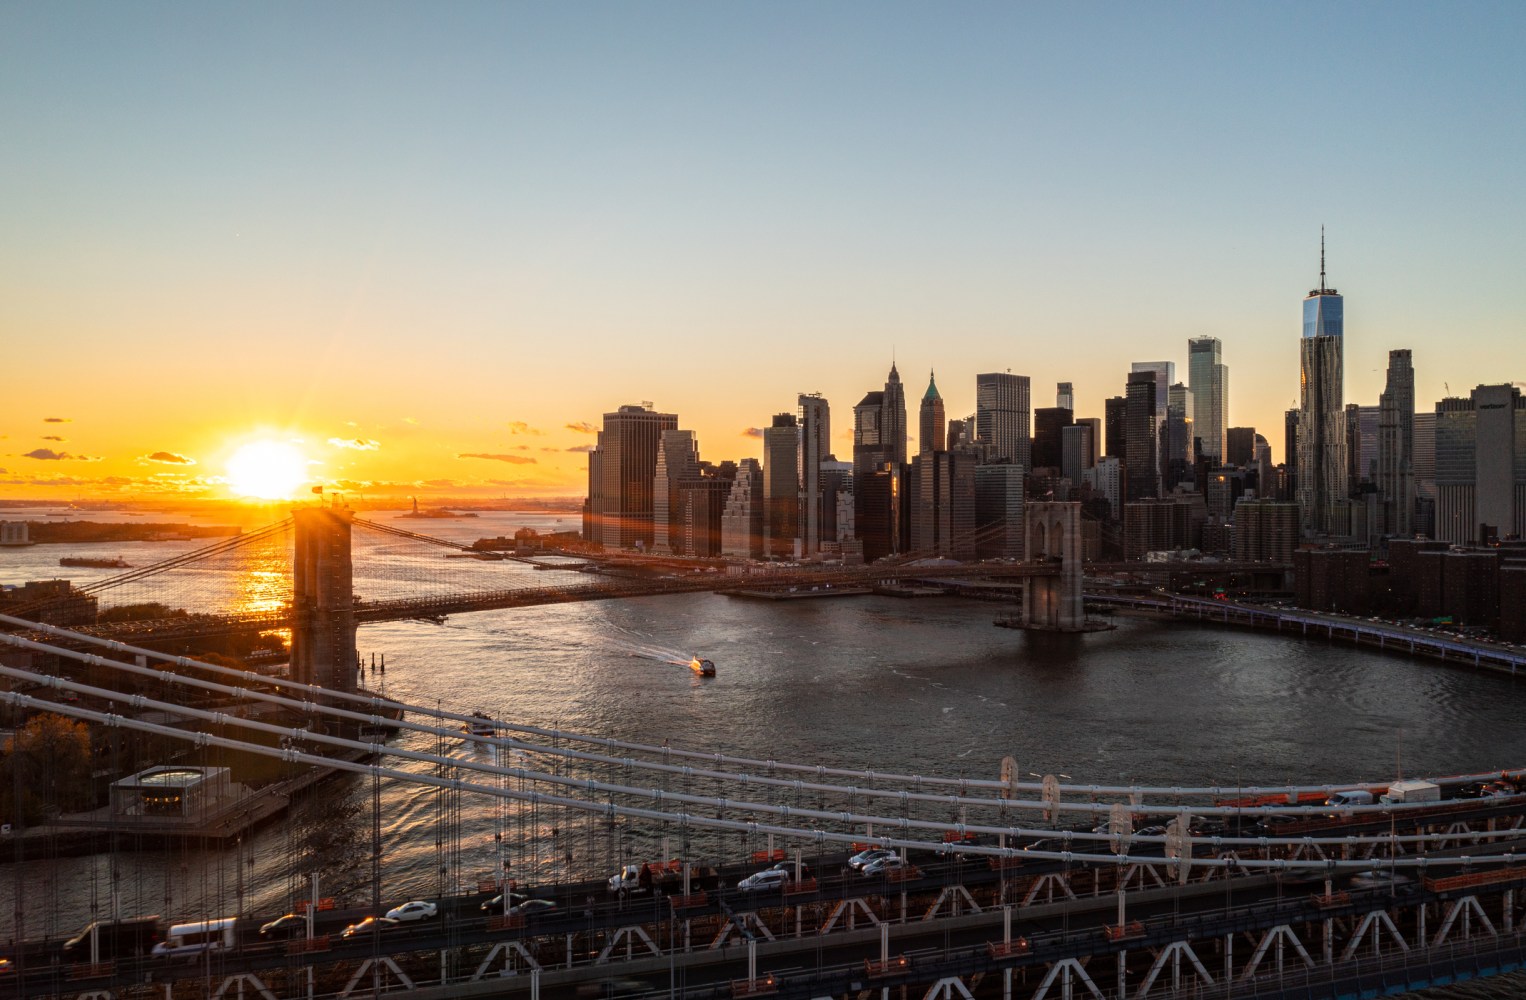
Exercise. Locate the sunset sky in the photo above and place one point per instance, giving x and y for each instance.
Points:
(428, 245)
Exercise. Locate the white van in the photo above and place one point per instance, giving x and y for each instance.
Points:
(1352, 797)
(184, 940)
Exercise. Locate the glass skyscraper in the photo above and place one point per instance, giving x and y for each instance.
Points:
(1322, 483)
(1208, 385)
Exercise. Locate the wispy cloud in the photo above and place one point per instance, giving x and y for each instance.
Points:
(49, 455)
(584, 448)
(169, 458)
(520, 427)
(752, 432)
(440, 483)
(359, 444)
(583, 427)
(512, 459)
(55, 420)
(53, 437)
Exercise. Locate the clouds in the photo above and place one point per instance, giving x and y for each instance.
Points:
(55, 420)
(520, 427)
(358, 444)
(584, 448)
(49, 455)
(511, 459)
(582, 427)
(752, 432)
(168, 458)
(52, 437)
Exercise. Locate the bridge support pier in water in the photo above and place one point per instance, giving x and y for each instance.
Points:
(323, 599)
(1054, 603)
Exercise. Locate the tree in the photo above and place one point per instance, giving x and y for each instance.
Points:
(46, 764)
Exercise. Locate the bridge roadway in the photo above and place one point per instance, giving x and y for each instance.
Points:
(945, 917)
(1379, 635)
(642, 585)
(913, 932)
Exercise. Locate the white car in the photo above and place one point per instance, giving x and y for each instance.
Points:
(862, 858)
(772, 878)
(418, 909)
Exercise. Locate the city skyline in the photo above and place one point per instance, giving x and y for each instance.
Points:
(435, 249)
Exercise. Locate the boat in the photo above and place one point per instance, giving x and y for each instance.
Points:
(703, 667)
(117, 563)
(481, 725)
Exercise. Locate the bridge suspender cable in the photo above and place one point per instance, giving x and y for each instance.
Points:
(902, 824)
(713, 758)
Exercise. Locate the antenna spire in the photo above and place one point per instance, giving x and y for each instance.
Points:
(1321, 258)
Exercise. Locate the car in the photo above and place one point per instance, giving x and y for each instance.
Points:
(769, 878)
(496, 904)
(884, 866)
(532, 906)
(862, 858)
(417, 909)
(290, 925)
(369, 925)
(6, 966)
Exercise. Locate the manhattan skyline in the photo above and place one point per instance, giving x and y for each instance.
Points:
(435, 246)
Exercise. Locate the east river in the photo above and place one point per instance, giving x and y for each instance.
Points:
(924, 686)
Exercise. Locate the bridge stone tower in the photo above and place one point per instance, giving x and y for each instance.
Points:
(1053, 603)
(323, 599)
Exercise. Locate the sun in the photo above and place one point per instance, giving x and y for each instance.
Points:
(268, 470)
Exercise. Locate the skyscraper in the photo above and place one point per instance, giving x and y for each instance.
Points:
(869, 448)
(893, 419)
(1481, 465)
(1141, 456)
(781, 486)
(1321, 411)
(1065, 396)
(931, 426)
(1116, 412)
(1396, 446)
(1002, 416)
(742, 519)
(677, 460)
(1208, 383)
(815, 446)
(626, 460)
(1049, 426)
(1176, 438)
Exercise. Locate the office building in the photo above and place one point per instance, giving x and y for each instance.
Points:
(1396, 446)
(870, 451)
(1176, 439)
(742, 518)
(815, 447)
(1106, 480)
(677, 461)
(999, 495)
(930, 426)
(1361, 447)
(1002, 416)
(1322, 465)
(1208, 383)
(877, 514)
(836, 503)
(1065, 396)
(945, 504)
(1239, 447)
(1049, 423)
(1095, 423)
(1115, 411)
(781, 487)
(625, 459)
(702, 514)
(893, 418)
(1481, 466)
(1141, 468)
(1077, 450)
